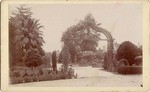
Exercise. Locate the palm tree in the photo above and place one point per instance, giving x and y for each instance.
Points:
(28, 32)
(24, 32)
(29, 35)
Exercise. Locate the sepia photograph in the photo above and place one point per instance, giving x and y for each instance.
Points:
(75, 45)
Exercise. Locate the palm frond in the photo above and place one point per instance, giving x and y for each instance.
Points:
(39, 27)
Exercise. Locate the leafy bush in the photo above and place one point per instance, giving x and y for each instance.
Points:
(90, 58)
(32, 58)
(44, 77)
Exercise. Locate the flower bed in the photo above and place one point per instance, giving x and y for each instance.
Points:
(16, 80)
(19, 77)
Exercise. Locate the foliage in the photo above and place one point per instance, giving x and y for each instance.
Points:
(29, 34)
(60, 57)
(54, 61)
(81, 37)
(72, 52)
(90, 58)
(32, 58)
(16, 53)
(47, 58)
(105, 63)
(24, 33)
(128, 51)
(50, 75)
(65, 57)
(88, 45)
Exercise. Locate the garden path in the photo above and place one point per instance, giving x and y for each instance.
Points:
(93, 77)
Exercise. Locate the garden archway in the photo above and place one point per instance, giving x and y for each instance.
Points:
(89, 24)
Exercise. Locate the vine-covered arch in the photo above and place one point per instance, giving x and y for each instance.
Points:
(71, 37)
(109, 56)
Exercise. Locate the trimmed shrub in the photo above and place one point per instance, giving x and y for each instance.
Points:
(128, 51)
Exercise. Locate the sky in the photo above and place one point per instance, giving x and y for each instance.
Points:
(123, 21)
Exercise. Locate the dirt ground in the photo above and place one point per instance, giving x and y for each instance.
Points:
(91, 77)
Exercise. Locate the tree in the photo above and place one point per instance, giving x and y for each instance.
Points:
(88, 45)
(72, 52)
(128, 51)
(65, 57)
(60, 57)
(24, 33)
(15, 22)
(15, 52)
(29, 35)
(47, 58)
(54, 61)
(81, 37)
(27, 29)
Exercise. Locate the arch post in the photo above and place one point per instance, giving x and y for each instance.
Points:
(110, 60)
(110, 55)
